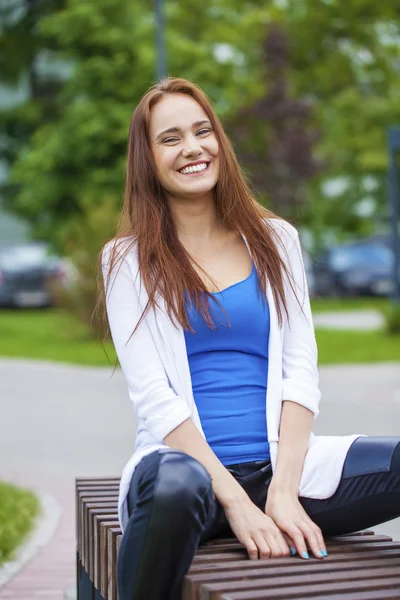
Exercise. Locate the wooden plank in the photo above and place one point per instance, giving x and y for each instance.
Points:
(113, 533)
(322, 578)
(98, 519)
(86, 503)
(310, 590)
(95, 487)
(104, 527)
(89, 480)
(374, 595)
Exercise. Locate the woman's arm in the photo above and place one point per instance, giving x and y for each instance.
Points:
(283, 504)
(155, 402)
(295, 429)
(187, 438)
(300, 399)
(253, 528)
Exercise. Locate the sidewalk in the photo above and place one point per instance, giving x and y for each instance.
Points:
(352, 319)
(59, 422)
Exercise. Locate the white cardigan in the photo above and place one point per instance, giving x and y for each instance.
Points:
(156, 368)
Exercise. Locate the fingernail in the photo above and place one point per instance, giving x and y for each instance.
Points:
(305, 555)
(292, 550)
(324, 552)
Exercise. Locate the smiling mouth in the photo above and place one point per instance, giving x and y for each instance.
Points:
(195, 169)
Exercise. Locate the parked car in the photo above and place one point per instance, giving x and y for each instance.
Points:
(358, 268)
(25, 272)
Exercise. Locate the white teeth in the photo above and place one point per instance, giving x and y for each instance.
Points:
(194, 169)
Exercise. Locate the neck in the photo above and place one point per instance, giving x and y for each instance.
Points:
(195, 219)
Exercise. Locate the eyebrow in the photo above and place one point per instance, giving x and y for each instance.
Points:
(174, 129)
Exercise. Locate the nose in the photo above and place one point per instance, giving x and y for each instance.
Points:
(192, 146)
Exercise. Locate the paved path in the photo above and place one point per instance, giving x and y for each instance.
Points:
(352, 319)
(59, 422)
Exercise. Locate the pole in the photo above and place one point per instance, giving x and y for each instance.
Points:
(161, 61)
(394, 194)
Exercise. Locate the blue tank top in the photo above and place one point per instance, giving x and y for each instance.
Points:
(229, 372)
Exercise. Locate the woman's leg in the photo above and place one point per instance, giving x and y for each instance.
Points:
(169, 503)
(369, 490)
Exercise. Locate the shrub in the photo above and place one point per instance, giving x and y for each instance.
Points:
(391, 313)
(18, 509)
(82, 241)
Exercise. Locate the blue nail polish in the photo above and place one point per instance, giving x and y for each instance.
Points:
(305, 555)
(325, 552)
(321, 553)
(292, 550)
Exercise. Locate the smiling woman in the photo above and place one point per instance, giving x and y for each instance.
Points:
(208, 306)
(194, 138)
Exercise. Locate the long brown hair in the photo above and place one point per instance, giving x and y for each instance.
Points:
(165, 266)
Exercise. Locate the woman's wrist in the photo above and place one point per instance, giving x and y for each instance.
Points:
(230, 493)
(282, 488)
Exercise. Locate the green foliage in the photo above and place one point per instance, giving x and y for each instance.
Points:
(343, 62)
(18, 510)
(82, 240)
(391, 312)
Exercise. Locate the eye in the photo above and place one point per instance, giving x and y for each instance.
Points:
(169, 140)
(204, 131)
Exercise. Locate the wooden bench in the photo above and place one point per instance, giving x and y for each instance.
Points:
(359, 566)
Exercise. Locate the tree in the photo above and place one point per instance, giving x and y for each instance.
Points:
(274, 136)
(343, 64)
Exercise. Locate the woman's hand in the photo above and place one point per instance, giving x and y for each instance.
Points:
(293, 521)
(255, 530)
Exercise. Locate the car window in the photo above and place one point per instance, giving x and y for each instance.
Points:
(25, 256)
(356, 256)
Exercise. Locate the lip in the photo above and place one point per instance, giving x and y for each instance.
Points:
(192, 164)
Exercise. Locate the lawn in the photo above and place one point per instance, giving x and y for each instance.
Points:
(18, 510)
(341, 304)
(50, 334)
(55, 335)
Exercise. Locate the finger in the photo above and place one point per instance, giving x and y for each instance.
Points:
(285, 545)
(275, 549)
(289, 544)
(264, 549)
(317, 532)
(282, 545)
(299, 542)
(252, 549)
(313, 539)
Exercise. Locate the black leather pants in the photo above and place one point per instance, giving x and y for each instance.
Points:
(172, 509)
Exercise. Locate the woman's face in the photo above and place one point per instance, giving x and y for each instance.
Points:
(184, 146)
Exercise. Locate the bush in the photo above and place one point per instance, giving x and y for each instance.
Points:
(18, 509)
(82, 241)
(391, 312)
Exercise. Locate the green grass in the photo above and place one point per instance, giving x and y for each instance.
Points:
(18, 510)
(55, 335)
(340, 347)
(50, 334)
(340, 304)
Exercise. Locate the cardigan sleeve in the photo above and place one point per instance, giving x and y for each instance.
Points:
(299, 351)
(157, 406)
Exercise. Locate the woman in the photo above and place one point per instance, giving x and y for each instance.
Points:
(209, 312)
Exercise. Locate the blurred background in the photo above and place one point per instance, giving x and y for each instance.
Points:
(308, 91)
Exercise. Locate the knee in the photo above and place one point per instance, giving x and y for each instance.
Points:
(181, 480)
(395, 464)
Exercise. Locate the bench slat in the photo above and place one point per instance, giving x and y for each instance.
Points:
(273, 593)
